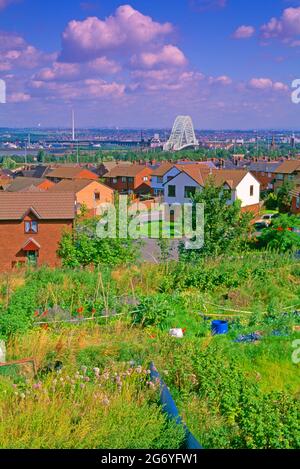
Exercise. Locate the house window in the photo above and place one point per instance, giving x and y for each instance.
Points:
(97, 195)
(31, 226)
(160, 179)
(115, 180)
(291, 177)
(189, 191)
(124, 179)
(131, 180)
(145, 179)
(279, 177)
(269, 175)
(251, 191)
(172, 191)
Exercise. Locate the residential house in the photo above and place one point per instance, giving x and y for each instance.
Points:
(70, 172)
(129, 179)
(107, 166)
(241, 184)
(264, 171)
(6, 178)
(88, 193)
(26, 184)
(33, 171)
(289, 170)
(167, 171)
(295, 193)
(31, 226)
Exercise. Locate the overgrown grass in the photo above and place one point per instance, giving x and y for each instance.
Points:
(232, 395)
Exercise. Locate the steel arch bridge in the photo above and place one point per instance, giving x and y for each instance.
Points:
(182, 136)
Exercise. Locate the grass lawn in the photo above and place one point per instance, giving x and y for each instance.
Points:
(156, 228)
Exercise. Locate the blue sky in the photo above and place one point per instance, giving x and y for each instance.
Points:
(227, 63)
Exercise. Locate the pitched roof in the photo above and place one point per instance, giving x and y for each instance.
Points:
(264, 166)
(68, 172)
(22, 183)
(162, 169)
(231, 177)
(125, 171)
(75, 185)
(46, 206)
(288, 167)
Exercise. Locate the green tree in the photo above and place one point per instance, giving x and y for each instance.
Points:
(282, 235)
(284, 196)
(226, 227)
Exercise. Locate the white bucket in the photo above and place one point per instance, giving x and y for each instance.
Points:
(176, 333)
(2, 352)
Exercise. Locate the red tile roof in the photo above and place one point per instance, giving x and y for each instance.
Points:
(288, 167)
(46, 206)
(220, 176)
(125, 171)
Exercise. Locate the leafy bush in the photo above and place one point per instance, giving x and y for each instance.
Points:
(154, 311)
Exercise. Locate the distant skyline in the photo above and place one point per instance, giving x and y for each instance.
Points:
(229, 64)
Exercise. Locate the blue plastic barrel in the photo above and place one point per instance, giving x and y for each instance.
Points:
(219, 327)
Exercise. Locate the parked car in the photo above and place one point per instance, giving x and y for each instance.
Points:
(266, 219)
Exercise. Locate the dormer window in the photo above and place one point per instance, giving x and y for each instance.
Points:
(31, 227)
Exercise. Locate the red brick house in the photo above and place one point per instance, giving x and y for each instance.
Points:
(264, 171)
(295, 193)
(31, 226)
(26, 184)
(129, 179)
(71, 172)
(289, 170)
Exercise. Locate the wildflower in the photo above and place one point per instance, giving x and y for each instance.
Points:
(139, 369)
(84, 369)
(36, 314)
(37, 386)
(22, 395)
(45, 313)
(132, 363)
(150, 384)
(82, 385)
(96, 371)
(105, 401)
(86, 379)
(93, 312)
(14, 386)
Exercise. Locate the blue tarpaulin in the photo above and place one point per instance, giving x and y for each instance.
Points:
(170, 408)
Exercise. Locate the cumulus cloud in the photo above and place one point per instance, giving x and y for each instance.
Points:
(16, 53)
(221, 80)
(244, 32)
(61, 71)
(286, 28)
(126, 29)
(169, 55)
(18, 97)
(85, 90)
(267, 84)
